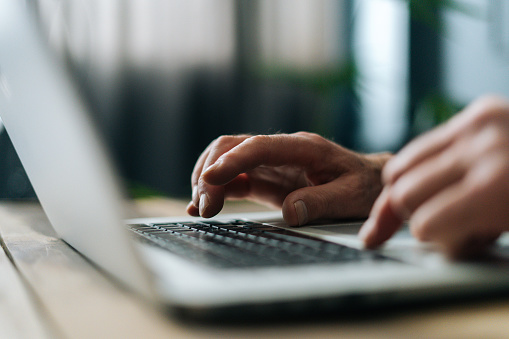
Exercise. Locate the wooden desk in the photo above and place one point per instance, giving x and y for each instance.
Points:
(48, 290)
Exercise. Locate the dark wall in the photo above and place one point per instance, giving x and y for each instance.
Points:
(14, 183)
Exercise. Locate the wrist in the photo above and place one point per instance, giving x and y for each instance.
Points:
(378, 160)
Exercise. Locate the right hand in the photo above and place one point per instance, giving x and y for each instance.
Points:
(451, 183)
(306, 175)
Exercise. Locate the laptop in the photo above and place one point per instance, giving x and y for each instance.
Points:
(233, 265)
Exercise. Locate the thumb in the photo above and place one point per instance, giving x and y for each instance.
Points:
(326, 201)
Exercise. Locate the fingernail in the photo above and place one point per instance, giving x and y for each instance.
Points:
(302, 212)
(366, 230)
(213, 166)
(204, 203)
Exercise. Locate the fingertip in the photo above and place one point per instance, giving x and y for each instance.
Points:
(289, 214)
(209, 208)
(369, 235)
(365, 231)
(192, 210)
(381, 224)
(301, 211)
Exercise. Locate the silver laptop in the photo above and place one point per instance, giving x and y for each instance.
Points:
(235, 264)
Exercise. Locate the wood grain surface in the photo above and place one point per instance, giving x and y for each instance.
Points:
(66, 296)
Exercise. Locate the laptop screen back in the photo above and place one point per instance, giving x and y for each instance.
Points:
(58, 147)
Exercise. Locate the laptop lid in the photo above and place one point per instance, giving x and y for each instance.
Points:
(52, 133)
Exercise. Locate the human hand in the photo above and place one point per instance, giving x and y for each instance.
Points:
(306, 175)
(452, 183)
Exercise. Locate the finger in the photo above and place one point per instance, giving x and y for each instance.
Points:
(197, 172)
(381, 224)
(426, 179)
(198, 169)
(335, 200)
(198, 166)
(268, 150)
(452, 218)
(222, 144)
(429, 144)
(237, 189)
(192, 210)
(266, 188)
(417, 151)
(209, 199)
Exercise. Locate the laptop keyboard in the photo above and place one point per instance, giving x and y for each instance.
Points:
(240, 243)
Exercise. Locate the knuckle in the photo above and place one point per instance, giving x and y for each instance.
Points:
(491, 142)
(400, 200)
(201, 187)
(224, 144)
(305, 134)
(493, 99)
(258, 139)
(493, 175)
(313, 137)
(495, 139)
(229, 140)
(489, 108)
(320, 146)
(258, 144)
(224, 140)
(230, 158)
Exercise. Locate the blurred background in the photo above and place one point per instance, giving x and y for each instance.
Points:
(166, 77)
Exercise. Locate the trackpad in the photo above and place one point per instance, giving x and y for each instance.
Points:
(402, 245)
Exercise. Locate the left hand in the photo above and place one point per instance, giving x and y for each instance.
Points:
(306, 175)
